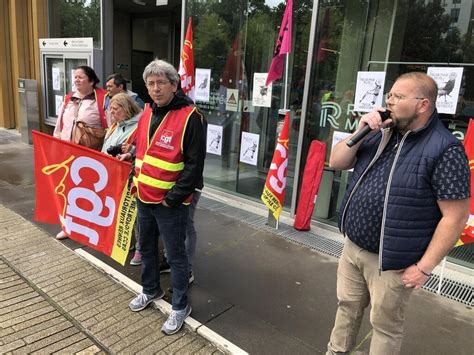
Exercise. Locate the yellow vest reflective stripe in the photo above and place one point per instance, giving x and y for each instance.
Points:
(160, 184)
(158, 163)
(138, 163)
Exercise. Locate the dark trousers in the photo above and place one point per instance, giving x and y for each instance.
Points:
(156, 221)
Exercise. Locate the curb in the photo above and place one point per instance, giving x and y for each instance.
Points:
(196, 326)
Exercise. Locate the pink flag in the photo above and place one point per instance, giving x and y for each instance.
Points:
(186, 64)
(282, 46)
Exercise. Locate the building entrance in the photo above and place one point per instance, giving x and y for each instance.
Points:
(142, 31)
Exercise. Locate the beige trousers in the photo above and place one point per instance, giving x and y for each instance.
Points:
(358, 284)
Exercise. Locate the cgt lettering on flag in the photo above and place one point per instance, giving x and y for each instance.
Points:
(86, 192)
(273, 195)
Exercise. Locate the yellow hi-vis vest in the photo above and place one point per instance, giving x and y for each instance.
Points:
(159, 161)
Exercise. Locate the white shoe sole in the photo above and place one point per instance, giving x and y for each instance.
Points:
(167, 332)
(146, 304)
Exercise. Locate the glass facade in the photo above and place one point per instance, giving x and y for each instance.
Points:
(235, 40)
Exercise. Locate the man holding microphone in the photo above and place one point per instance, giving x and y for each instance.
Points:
(404, 209)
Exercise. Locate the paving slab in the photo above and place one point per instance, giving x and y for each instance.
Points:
(37, 318)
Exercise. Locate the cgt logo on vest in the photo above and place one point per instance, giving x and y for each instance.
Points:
(87, 200)
(165, 140)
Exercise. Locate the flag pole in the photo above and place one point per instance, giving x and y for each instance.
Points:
(285, 101)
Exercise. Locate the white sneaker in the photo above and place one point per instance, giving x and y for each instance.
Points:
(175, 321)
(61, 235)
(142, 301)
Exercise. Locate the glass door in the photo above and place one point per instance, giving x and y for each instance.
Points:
(70, 65)
(55, 88)
(59, 80)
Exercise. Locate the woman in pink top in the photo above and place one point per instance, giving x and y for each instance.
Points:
(84, 105)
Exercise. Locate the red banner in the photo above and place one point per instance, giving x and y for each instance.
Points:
(186, 63)
(85, 192)
(468, 235)
(282, 45)
(273, 195)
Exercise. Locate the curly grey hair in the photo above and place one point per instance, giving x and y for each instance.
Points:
(160, 67)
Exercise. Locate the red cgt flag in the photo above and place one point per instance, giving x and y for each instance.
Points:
(186, 63)
(86, 192)
(468, 234)
(282, 46)
(273, 195)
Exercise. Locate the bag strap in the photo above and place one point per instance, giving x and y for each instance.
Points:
(99, 94)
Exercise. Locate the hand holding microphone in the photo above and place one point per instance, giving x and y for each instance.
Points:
(366, 129)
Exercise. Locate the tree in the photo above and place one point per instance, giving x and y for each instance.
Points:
(428, 36)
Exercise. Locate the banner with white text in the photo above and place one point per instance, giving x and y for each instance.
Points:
(86, 192)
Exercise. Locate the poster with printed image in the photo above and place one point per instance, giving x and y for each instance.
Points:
(262, 95)
(232, 100)
(58, 99)
(56, 76)
(203, 84)
(214, 139)
(369, 90)
(249, 148)
(449, 83)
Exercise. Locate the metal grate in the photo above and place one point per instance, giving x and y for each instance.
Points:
(451, 289)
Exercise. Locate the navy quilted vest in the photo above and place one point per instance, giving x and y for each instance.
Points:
(411, 214)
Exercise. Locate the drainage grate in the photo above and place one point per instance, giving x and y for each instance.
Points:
(451, 289)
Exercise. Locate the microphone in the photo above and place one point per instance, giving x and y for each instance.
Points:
(366, 130)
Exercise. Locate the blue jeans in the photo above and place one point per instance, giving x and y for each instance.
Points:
(169, 223)
(191, 234)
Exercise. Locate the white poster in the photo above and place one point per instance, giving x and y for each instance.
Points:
(262, 95)
(56, 76)
(73, 86)
(214, 139)
(337, 137)
(449, 83)
(249, 148)
(232, 100)
(369, 90)
(203, 84)
(58, 99)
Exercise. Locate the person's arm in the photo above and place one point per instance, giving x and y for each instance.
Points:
(194, 146)
(342, 157)
(452, 192)
(454, 217)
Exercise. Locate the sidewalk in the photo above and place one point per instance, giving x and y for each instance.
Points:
(52, 300)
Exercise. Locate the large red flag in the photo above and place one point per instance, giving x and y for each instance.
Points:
(186, 63)
(282, 46)
(86, 192)
(273, 195)
(468, 234)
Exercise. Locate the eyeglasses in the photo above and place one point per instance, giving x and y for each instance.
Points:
(396, 98)
(159, 83)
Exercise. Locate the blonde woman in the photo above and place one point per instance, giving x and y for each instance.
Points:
(125, 115)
